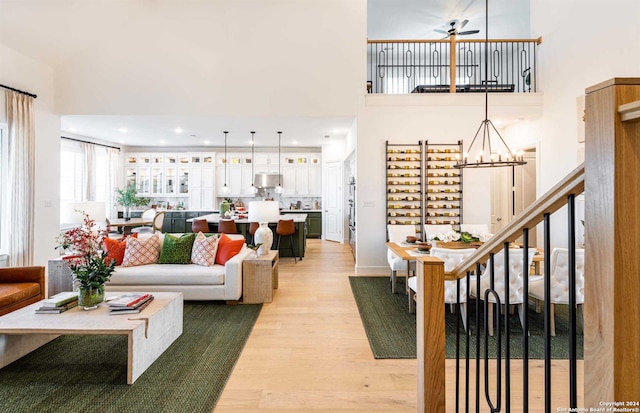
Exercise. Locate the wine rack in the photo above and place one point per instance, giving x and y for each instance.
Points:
(443, 184)
(404, 184)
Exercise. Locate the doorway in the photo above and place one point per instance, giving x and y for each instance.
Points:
(332, 200)
(513, 189)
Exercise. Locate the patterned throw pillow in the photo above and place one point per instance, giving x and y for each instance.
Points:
(204, 250)
(228, 248)
(176, 250)
(115, 248)
(141, 251)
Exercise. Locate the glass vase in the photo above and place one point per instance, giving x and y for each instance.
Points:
(90, 298)
(127, 213)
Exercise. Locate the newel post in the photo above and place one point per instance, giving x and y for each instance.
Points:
(612, 225)
(430, 335)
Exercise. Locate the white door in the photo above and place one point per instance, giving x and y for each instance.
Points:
(332, 200)
(513, 189)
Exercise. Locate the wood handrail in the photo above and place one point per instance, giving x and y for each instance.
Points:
(550, 202)
(458, 40)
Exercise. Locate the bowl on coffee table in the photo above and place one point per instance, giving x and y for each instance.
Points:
(423, 246)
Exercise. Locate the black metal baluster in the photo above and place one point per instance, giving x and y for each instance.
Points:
(525, 323)
(573, 393)
(468, 335)
(491, 290)
(457, 346)
(478, 337)
(507, 329)
(547, 312)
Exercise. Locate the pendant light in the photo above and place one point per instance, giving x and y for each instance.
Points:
(488, 155)
(252, 190)
(225, 190)
(279, 189)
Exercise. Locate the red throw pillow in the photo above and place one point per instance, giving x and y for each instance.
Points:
(115, 248)
(227, 249)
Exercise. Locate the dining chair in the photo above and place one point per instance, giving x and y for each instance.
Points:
(398, 234)
(227, 226)
(515, 291)
(286, 227)
(559, 280)
(200, 225)
(451, 258)
(147, 215)
(432, 229)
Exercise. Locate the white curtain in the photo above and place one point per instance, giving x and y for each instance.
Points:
(89, 180)
(21, 168)
(112, 181)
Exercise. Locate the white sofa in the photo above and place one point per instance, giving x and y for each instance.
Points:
(195, 282)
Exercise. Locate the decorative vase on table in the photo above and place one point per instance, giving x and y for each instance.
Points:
(263, 235)
(127, 213)
(90, 298)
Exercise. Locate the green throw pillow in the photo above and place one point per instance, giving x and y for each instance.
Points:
(177, 250)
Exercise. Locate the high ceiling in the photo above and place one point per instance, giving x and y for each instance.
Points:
(53, 31)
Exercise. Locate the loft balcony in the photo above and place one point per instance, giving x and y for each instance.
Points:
(451, 66)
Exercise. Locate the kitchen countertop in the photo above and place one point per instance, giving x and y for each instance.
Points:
(300, 211)
(215, 218)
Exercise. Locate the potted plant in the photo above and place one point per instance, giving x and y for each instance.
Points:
(128, 197)
(89, 265)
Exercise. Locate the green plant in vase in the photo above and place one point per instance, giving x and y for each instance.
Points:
(89, 265)
(128, 197)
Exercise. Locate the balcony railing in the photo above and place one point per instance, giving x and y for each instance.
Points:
(451, 66)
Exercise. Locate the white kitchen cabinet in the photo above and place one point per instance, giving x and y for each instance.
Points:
(302, 181)
(170, 187)
(201, 181)
(315, 180)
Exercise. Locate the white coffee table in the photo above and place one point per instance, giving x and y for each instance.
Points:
(149, 333)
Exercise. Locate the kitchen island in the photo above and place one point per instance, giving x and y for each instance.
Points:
(299, 238)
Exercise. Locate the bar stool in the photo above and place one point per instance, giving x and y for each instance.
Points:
(253, 226)
(228, 226)
(200, 225)
(286, 227)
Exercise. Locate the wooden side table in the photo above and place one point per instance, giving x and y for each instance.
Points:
(260, 278)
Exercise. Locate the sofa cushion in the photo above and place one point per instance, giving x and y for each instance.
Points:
(115, 248)
(228, 248)
(168, 274)
(204, 250)
(12, 293)
(176, 250)
(141, 251)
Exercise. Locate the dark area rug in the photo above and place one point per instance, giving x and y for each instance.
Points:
(391, 329)
(89, 373)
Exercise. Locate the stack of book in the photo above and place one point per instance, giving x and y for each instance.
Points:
(129, 303)
(58, 303)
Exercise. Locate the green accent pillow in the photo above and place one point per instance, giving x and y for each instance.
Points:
(176, 250)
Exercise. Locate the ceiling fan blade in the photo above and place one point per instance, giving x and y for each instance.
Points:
(468, 32)
(464, 23)
(441, 31)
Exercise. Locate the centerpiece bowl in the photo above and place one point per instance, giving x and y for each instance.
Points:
(423, 246)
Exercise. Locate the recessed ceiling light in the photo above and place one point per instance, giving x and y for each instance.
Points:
(122, 142)
(207, 142)
(123, 130)
(162, 141)
(72, 129)
(294, 142)
(178, 130)
(327, 136)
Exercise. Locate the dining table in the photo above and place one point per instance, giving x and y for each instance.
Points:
(409, 252)
(126, 225)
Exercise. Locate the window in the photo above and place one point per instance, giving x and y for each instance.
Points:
(74, 174)
(71, 172)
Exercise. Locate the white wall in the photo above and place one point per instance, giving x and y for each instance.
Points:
(409, 119)
(224, 58)
(573, 57)
(24, 73)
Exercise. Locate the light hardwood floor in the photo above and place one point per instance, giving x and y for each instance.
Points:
(308, 351)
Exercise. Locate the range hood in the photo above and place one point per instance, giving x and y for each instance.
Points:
(267, 180)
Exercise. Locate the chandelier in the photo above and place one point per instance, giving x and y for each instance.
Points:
(491, 152)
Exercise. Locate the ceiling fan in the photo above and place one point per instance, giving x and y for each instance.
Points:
(455, 29)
